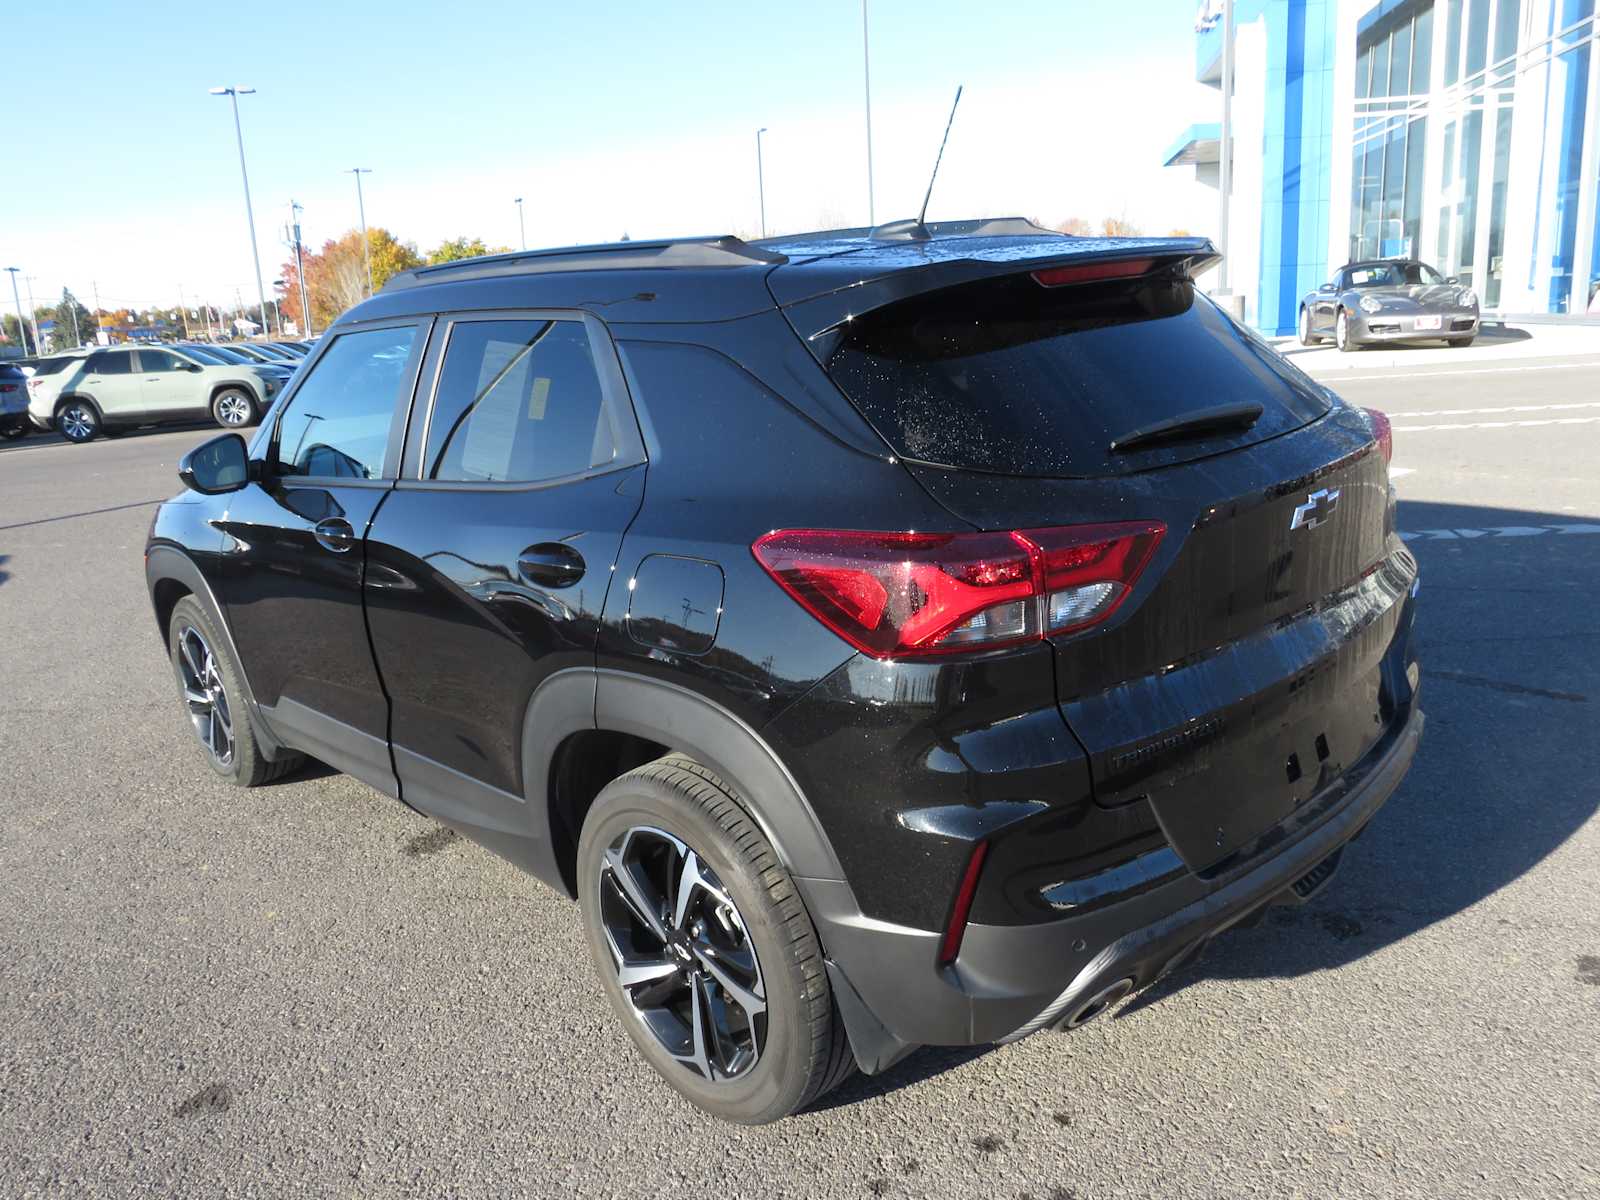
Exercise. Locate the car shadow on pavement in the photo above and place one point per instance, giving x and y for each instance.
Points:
(1506, 635)
(1501, 780)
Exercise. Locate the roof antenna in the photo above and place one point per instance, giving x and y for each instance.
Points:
(923, 214)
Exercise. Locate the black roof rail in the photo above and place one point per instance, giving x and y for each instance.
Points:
(723, 251)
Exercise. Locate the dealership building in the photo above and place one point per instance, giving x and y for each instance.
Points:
(1462, 132)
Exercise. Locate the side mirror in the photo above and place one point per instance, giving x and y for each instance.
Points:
(1327, 287)
(214, 467)
(1452, 279)
(194, 367)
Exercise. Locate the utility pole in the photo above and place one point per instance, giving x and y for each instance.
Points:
(361, 207)
(1225, 158)
(761, 181)
(94, 286)
(71, 302)
(521, 228)
(866, 79)
(300, 269)
(183, 311)
(33, 315)
(22, 333)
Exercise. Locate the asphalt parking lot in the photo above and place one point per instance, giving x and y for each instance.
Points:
(309, 990)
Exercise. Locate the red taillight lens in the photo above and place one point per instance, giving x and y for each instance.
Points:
(8, 387)
(1383, 431)
(897, 594)
(1129, 268)
(950, 944)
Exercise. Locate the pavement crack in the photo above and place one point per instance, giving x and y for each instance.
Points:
(1501, 685)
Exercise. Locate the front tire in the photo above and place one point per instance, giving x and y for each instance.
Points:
(1341, 334)
(1307, 338)
(78, 421)
(704, 947)
(233, 408)
(210, 690)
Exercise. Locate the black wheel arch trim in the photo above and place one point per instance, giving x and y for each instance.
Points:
(166, 562)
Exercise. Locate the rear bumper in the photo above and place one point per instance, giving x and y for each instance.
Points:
(1013, 980)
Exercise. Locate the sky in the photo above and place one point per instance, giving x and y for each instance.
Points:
(607, 118)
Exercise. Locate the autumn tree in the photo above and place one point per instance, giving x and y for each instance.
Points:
(455, 249)
(336, 278)
(1119, 227)
(1076, 226)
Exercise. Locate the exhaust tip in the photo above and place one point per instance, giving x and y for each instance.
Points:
(1098, 1003)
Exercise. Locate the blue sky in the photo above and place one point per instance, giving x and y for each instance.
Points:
(607, 117)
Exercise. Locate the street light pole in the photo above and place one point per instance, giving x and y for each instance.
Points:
(300, 269)
(1225, 153)
(22, 335)
(361, 208)
(866, 79)
(33, 315)
(761, 181)
(233, 94)
(521, 228)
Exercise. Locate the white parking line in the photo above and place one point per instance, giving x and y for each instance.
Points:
(1423, 535)
(1466, 412)
(1498, 424)
(1479, 371)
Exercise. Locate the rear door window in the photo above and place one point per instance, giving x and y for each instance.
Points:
(1015, 378)
(518, 401)
(111, 362)
(337, 424)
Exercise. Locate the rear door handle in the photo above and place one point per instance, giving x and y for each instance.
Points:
(334, 534)
(551, 564)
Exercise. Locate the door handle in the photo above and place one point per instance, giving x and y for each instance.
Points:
(551, 564)
(334, 534)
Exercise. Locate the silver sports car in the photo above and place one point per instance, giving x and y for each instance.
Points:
(1389, 300)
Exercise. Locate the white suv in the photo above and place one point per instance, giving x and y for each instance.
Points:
(118, 387)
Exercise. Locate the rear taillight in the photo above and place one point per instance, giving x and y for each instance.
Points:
(956, 926)
(8, 387)
(1129, 268)
(893, 595)
(1383, 431)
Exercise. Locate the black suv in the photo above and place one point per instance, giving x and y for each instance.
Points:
(927, 634)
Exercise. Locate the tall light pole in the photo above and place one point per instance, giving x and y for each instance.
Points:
(361, 208)
(33, 315)
(300, 268)
(233, 94)
(22, 334)
(521, 228)
(761, 181)
(1225, 151)
(866, 79)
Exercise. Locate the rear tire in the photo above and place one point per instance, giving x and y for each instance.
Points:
(233, 408)
(210, 689)
(1307, 338)
(78, 421)
(652, 827)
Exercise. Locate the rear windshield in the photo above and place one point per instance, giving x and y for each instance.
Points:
(1015, 378)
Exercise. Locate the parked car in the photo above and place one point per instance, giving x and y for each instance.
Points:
(44, 384)
(262, 352)
(13, 402)
(1389, 300)
(117, 388)
(927, 635)
(293, 349)
(225, 355)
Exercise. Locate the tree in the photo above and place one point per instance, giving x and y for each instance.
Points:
(455, 249)
(1119, 227)
(336, 278)
(74, 323)
(24, 344)
(1076, 226)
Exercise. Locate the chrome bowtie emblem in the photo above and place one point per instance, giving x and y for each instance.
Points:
(1318, 508)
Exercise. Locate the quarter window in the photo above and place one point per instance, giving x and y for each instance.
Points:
(337, 424)
(518, 401)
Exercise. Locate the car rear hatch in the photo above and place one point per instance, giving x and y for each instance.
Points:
(1242, 671)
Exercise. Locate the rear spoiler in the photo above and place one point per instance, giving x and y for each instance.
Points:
(820, 296)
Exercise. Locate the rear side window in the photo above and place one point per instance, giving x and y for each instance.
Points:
(1016, 378)
(49, 366)
(337, 424)
(110, 362)
(518, 401)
